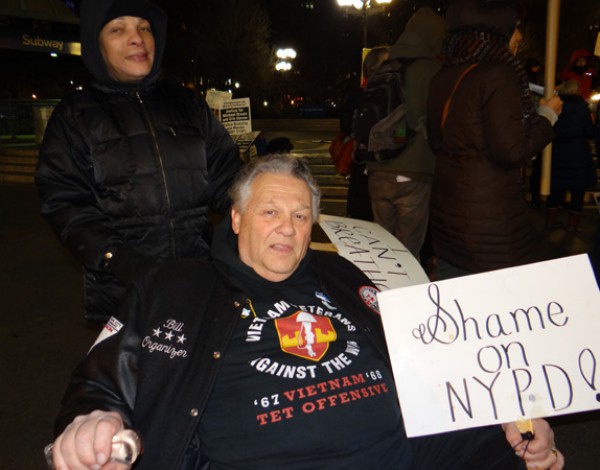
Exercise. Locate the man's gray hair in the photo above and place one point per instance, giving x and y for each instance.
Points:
(281, 164)
(570, 87)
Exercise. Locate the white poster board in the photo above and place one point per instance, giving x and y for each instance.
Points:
(374, 250)
(216, 98)
(235, 116)
(496, 347)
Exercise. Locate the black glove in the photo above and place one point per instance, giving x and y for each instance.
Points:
(127, 264)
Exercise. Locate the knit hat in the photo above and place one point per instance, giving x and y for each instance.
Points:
(500, 16)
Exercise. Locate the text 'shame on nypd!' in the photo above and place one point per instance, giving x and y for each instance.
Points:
(497, 347)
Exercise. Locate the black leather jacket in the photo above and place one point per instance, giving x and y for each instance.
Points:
(135, 168)
(162, 391)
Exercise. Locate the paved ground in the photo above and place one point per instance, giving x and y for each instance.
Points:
(43, 334)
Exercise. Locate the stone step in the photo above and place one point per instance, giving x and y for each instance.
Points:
(323, 169)
(314, 158)
(334, 191)
(19, 159)
(331, 125)
(16, 178)
(17, 165)
(332, 180)
(333, 206)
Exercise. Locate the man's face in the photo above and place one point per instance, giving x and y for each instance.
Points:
(127, 47)
(274, 228)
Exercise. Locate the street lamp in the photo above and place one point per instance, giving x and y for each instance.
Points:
(284, 56)
(363, 7)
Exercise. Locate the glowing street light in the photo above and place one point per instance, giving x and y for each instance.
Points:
(363, 6)
(360, 4)
(285, 56)
(283, 66)
(287, 53)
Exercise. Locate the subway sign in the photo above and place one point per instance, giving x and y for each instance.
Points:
(39, 42)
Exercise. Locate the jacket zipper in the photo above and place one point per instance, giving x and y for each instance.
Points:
(159, 158)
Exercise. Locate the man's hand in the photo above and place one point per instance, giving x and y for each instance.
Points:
(538, 453)
(86, 443)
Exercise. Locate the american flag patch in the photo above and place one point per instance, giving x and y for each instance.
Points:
(111, 328)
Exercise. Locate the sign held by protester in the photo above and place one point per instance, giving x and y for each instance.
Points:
(215, 100)
(235, 116)
(496, 347)
(375, 251)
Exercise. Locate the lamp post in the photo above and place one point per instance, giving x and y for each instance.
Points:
(363, 8)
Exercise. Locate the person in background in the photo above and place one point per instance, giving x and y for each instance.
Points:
(400, 188)
(359, 200)
(279, 144)
(581, 69)
(533, 69)
(479, 216)
(573, 168)
(130, 166)
(187, 366)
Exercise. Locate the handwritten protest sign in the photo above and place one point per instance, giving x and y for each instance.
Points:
(374, 250)
(495, 347)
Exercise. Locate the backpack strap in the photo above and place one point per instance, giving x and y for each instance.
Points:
(447, 103)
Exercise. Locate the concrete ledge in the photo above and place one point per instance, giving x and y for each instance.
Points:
(13, 178)
(307, 124)
(20, 151)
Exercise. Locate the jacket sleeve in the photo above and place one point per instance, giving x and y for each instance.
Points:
(511, 141)
(65, 182)
(106, 379)
(223, 159)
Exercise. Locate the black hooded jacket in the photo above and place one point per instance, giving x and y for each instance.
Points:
(131, 168)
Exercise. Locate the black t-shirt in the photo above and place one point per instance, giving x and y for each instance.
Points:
(301, 387)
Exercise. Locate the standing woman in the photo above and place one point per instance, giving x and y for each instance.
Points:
(573, 168)
(130, 166)
(479, 217)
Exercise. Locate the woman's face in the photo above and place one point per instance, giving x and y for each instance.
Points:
(127, 47)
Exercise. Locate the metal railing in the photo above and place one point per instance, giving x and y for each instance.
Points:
(24, 120)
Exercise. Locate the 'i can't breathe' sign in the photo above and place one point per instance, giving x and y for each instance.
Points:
(497, 347)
